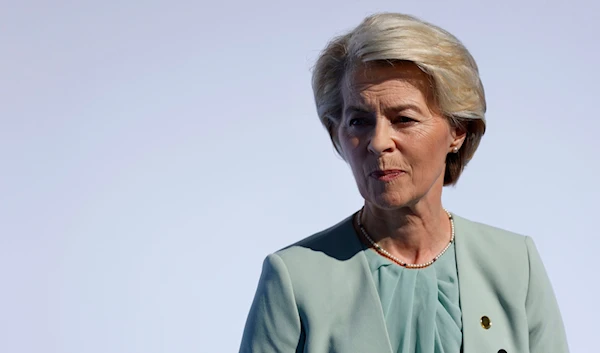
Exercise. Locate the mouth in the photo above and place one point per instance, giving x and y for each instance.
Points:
(387, 175)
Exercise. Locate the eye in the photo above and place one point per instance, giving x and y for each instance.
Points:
(357, 122)
(403, 120)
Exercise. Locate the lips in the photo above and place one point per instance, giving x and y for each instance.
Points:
(387, 175)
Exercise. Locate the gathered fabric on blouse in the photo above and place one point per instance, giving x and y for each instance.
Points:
(421, 306)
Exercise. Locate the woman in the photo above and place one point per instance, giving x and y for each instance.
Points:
(404, 106)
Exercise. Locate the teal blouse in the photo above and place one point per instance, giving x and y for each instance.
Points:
(421, 306)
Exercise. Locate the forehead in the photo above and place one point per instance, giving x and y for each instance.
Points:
(397, 81)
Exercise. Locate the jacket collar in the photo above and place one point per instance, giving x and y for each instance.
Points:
(371, 328)
(472, 283)
(470, 278)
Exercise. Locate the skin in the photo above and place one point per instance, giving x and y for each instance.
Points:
(390, 122)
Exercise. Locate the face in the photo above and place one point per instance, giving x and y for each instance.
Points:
(392, 135)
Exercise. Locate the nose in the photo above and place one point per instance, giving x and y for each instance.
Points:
(382, 138)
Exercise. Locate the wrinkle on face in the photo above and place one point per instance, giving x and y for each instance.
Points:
(370, 76)
(385, 94)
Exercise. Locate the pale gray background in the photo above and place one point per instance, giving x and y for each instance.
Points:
(154, 152)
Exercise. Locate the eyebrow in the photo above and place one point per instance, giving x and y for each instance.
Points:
(395, 108)
(355, 109)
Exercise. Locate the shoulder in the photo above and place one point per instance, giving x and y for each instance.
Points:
(502, 256)
(333, 241)
(488, 235)
(493, 249)
(321, 255)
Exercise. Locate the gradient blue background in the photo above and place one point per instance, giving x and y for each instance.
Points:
(154, 152)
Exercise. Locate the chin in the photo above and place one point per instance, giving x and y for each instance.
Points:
(389, 200)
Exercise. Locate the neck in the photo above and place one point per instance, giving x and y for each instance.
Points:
(414, 234)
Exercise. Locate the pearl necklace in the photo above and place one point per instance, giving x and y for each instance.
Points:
(395, 259)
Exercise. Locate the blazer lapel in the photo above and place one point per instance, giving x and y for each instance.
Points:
(473, 287)
(368, 329)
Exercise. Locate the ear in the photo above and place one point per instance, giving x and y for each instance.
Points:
(459, 134)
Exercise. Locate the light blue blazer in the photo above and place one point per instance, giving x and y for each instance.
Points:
(318, 296)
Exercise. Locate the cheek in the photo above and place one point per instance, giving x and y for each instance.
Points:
(356, 162)
(432, 143)
(431, 162)
(348, 143)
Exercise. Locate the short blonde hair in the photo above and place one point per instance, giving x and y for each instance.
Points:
(390, 37)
